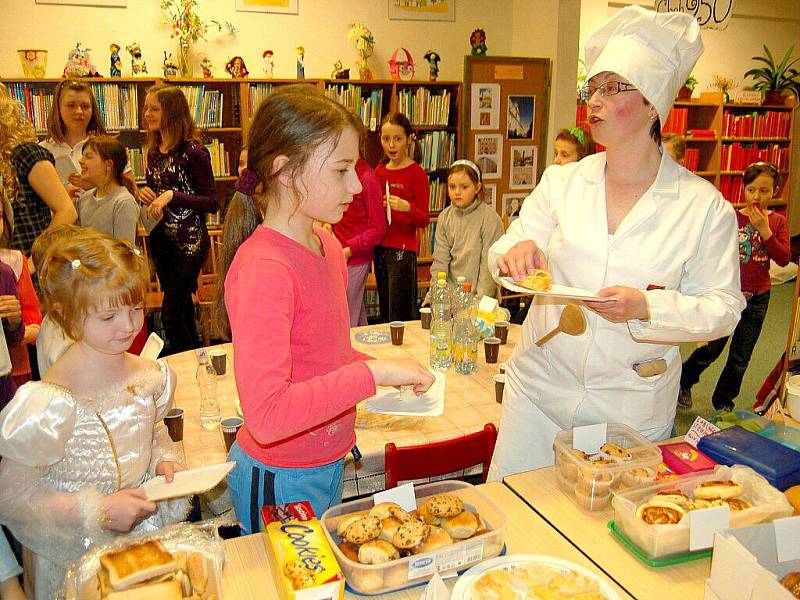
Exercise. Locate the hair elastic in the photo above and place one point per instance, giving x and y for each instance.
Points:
(248, 182)
(76, 264)
(468, 163)
(579, 134)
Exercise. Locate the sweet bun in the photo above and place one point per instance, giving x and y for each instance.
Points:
(437, 537)
(163, 590)
(791, 581)
(674, 496)
(426, 517)
(737, 504)
(718, 489)
(614, 452)
(389, 509)
(444, 506)
(389, 527)
(659, 512)
(410, 534)
(363, 530)
(348, 520)
(137, 563)
(377, 552)
(538, 280)
(462, 526)
(349, 550)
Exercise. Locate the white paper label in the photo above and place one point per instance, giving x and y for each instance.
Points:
(787, 533)
(700, 428)
(402, 495)
(589, 438)
(436, 589)
(704, 522)
(446, 560)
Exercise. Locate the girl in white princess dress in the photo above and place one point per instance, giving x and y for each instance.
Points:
(77, 445)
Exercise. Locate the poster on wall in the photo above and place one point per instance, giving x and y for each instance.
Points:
(710, 14)
(112, 3)
(485, 106)
(422, 10)
(522, 173)
(489, 154)
(490, 195)
(512, 204)
(288, 7)
(520, 117)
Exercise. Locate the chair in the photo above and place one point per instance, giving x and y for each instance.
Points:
(439, 458)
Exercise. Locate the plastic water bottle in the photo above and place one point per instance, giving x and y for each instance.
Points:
(207, 384)
(465, 334)
(441, 330)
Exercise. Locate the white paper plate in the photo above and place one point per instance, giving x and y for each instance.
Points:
(391, 401)
(186, 483)
(463, 587)
(557, 291)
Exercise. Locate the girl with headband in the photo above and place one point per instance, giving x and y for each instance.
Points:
(572, 145)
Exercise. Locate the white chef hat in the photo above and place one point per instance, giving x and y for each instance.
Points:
(654, 51)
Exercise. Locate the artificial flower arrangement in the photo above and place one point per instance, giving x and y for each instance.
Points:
(188, 27)
(365, 44)
(724, 85)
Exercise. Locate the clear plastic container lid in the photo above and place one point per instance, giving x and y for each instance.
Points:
(643, 452)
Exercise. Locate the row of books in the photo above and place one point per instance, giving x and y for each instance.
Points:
(438, 195)
(427, 239)
(438, 149)
(732, 188)
(205, 105)
(736, 156)
(118, 105)
(220, 159)
(691, 159)
(137, 159)
(367, 104)
(770, 124)
(424, 107)
(37, 102)
(677, 121)
(258, 92)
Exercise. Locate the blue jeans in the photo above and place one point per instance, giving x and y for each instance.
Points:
(9, 567)
(252, 484)
(744, 341)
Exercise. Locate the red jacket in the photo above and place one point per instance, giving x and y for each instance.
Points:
(410, 183)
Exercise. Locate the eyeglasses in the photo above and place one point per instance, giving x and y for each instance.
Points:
(609, 88)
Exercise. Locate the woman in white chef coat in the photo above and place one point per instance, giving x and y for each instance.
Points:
(657, 241)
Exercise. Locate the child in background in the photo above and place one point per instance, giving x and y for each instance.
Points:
(571, 145)
(361, 229)
(675, 146)
(465, 230)
(78, 445)
(409, 200)
(13, 330)
(74, 117)
(28, 300)
(180, 190)
(242, 161)
(763, 235)
(284, 302)
(107, 207)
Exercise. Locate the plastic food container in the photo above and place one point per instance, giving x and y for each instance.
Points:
(417, 569)
(746, 419)
(786, 435)
(591, 483)
(665, 541)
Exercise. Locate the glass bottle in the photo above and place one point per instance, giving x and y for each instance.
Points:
(207, 385)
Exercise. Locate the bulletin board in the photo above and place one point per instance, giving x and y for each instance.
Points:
(504, 125)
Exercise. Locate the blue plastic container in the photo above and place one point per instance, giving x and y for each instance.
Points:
(783, 434)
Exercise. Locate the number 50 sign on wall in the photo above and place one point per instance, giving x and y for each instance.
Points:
(711, 14)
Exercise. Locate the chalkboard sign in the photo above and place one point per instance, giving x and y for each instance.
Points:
(710, 14)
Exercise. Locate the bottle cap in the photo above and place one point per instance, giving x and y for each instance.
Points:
(468, 286)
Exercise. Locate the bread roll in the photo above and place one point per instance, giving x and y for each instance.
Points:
(198, 573)
(718, 489)
(137, 563)
(349, 550)
(658, 512)
(363, 530)
(377, 552)
(389, 509)
(348, 520)
(437, 537)
(389, 527)
(409, 534)
(444, 506)
(164, 590)
(462, 526)
(425, 516)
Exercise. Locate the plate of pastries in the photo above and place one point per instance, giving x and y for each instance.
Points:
(670, 506)
(540, 282)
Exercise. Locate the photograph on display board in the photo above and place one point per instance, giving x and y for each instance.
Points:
(485, 106)
(522, 172)
(270, 6)
(422, 10)
(489, 154)
(512, 204)
(490, 195)
(520, 117)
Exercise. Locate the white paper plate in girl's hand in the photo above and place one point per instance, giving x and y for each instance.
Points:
(186, 483)
(556, 291)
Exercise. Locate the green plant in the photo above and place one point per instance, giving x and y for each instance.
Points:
(691, 82)
(776, 77)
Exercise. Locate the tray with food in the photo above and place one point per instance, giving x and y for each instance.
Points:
(382, 548)
(626, 460)
(653, 518)
(539, 283)
(177, 562)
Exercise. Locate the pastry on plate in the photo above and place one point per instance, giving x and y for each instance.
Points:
(718, 489)
(538, 280)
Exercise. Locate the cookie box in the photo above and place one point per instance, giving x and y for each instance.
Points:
(665, 541)
(372, 579)
(682, 458)
(590, 483)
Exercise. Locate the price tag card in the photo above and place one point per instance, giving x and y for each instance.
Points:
(787, 532)
(436, 589)
(704, 522)
(699, 428)
(589, 438)
(402, 495)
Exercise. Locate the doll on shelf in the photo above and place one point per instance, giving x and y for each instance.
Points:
(477, 40)
(433, 59)
(339, 72)
(208, 67)
(138, 65)
(169, 67)
(116, 61)
(301, 58)
(269, 63)
(236, 68)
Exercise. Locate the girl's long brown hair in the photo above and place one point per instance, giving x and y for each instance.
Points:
(55, 123)
(293, 122)
(109, 148)
(177, 123)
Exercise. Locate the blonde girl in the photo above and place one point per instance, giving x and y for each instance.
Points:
(29, 177)
(77, 445)
(285, 304)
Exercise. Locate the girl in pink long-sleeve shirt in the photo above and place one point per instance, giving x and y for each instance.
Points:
(284, 303)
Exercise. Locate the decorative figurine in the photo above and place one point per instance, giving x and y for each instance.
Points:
(433, 59)
(208, 68)
(116, 61)
(170, 68)
(79, 64)
(339, 72)
(477, 40)
(269, 63)
(138, 66)
(301, 59)
(401, 65)
(236, 68)
(365, 44)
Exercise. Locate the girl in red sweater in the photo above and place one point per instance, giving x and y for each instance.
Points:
(285, 305)
(408, 200)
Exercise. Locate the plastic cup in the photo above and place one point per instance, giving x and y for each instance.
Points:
(501, 331)
(219, 358)
(397, 328)
(491, 348)
(499, 384)
(502, 366)
(174, 422)
(425, 317)
(230, 427)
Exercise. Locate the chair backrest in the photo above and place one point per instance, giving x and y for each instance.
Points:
(439, 458)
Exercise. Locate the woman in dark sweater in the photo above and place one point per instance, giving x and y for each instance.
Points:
(180, 190)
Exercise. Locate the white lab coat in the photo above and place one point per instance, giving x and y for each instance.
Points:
(682, 236)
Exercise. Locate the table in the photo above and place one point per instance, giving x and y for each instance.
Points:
(469, 405)
(588, 531)
(247, 573)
